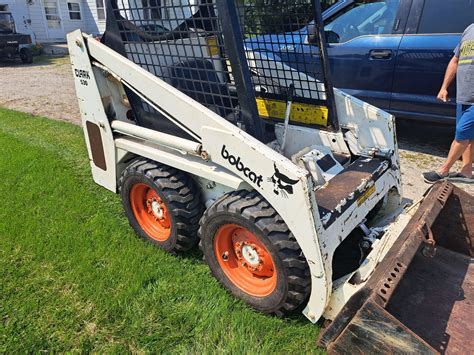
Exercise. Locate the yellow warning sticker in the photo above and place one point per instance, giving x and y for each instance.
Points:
(212, 46)
(300, 113)
(366, 195)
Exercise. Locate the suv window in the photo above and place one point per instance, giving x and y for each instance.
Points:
(364, 17)
(441, 16)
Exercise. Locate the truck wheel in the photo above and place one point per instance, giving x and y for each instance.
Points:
(252, 253)
(162, 204)
(26, 56)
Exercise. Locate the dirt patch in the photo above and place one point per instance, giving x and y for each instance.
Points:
(46, 88)
(413, 164)
(423, 147)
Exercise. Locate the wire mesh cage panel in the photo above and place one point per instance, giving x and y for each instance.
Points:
(281, 45)
(242, 59)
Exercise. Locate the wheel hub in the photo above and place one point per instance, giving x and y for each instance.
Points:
(156, 208)
(150, 211)
(250, 254)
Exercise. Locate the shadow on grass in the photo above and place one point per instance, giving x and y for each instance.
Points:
(194, 256)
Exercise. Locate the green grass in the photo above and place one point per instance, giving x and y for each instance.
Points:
(74, 277)
(56, 61)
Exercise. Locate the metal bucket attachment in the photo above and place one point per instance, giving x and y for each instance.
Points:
(421, 297)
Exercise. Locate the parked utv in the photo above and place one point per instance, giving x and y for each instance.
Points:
(13, 44)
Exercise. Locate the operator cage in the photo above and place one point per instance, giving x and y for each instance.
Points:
(242, 59)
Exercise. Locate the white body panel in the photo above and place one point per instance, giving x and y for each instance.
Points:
(232, 159)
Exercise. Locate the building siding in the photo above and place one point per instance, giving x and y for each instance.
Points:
(94, 25)
(30, 18)
(38, 21)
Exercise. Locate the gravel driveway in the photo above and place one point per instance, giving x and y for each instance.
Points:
(46, 88)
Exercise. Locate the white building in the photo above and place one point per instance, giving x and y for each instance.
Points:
(51, 20)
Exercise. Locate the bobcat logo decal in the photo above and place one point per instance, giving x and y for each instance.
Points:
(282, 184)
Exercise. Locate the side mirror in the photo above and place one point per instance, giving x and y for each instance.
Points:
(331, 36)
(312, 33)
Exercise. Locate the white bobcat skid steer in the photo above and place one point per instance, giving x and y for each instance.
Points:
(291, 187)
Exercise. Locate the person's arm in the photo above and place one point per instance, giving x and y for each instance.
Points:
(448, 78)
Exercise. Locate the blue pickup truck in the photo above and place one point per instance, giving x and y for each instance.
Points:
(390, 53)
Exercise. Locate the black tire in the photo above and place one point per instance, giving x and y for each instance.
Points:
(26, 56)
(252, 212)
(180, 199)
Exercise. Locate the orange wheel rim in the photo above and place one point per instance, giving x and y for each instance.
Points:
(150, 212)
(245, 260)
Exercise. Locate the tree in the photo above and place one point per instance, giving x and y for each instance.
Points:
(278, 16)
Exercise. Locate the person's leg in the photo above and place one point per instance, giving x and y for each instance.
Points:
(452, 149)
(457, 150)
(464, 137)
(467, 157)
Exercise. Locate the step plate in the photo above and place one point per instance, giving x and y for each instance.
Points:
(348, 186)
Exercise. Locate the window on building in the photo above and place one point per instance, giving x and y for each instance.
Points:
(151, 9)
(441, 16)
(100, 9)
(74, 10)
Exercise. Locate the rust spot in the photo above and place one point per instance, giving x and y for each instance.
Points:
(341, 191)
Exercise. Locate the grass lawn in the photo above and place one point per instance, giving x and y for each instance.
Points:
(74, 277)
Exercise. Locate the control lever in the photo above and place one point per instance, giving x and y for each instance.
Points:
(289, 102)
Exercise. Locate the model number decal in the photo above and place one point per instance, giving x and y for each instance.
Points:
(83, 75)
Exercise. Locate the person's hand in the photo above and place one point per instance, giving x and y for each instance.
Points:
(443, 95)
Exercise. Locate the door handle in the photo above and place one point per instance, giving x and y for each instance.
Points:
(380, 54)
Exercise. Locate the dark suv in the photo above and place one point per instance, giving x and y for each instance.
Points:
(13, 44)
(390, 53)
